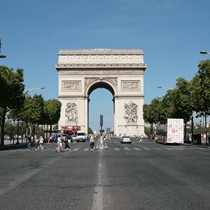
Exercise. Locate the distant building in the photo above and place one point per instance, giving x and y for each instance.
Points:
(108, 130)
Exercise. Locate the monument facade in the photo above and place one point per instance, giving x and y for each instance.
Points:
(120, 71)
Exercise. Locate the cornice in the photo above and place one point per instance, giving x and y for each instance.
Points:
(102, 52)
(102, 66)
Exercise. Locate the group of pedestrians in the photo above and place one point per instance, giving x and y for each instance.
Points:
(38, 141)
(60, 141)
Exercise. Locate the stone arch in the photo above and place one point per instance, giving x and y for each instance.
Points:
(119, 71)
(100, 83)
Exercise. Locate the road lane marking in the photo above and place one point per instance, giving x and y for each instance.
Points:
(146, 148)
(116, 148)
(157, 148)
(135, 148)
(98, 190)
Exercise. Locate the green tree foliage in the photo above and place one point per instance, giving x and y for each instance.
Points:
(90, 131)
(180, 101)
(201, 88)
(151, 112)
(11, 93)
(51, 114)
(32, 109)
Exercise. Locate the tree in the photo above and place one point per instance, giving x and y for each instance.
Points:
(51, 113)
(90, 131)
(31, 111)
(201, 89)
(11, 93)
(182, 101)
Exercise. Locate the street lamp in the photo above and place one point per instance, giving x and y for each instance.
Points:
(165, 88)
(1, 56)
(33, 89)
(204, 52)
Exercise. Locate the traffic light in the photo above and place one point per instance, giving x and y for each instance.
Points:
(101, 120)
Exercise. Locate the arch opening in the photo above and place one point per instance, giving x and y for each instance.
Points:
(101, 85)
(101, 102)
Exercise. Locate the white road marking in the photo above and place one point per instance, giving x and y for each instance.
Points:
(146, 148)
(157, 148)
(98, 190)
(135, 148)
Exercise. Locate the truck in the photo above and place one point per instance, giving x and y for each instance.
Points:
(172, 133)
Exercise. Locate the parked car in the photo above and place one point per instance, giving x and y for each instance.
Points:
(126, 139)
(81, 136)
(73, 138)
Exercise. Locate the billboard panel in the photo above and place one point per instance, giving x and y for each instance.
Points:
(175, 131)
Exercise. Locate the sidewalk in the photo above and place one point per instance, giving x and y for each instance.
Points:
(9, 145)
(204, 145)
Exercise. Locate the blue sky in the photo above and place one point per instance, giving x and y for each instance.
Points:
(171, 33)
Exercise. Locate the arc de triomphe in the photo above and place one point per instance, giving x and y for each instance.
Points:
(120, 71)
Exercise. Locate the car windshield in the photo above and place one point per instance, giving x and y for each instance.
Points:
(80, 134)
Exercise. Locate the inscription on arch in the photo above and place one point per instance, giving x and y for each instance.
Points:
(71, 85)
(131, 85)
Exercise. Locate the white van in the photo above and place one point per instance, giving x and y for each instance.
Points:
(81, 136)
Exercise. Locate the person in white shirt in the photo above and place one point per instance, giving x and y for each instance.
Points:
(41, 143)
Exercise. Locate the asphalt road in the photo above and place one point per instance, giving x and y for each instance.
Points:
(125, 177)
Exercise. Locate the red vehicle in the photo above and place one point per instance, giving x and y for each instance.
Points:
(70, 130)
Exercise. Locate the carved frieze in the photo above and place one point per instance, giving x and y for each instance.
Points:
(71, 85)
(131, 110)
(71, 113)
(130, 85)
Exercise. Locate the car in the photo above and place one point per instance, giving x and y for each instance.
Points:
(74, 138)
(126, 139)
(81, 136)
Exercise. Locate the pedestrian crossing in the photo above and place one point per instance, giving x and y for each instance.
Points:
(86, 149)
(76, 149)
(111, 147)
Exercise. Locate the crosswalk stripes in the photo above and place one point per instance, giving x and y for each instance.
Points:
(157, 148)
(136, 148)
(126, 148)
(146, 148)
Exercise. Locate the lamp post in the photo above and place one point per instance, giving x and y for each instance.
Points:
(1, 56)
(26, 91)
(204, 52)
(207, 53)
(165, 88)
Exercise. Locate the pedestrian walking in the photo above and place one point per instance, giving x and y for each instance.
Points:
(59, 147)
(29, 142)
(66, 141)
(92, 140)
(41, 143)
(36, 143)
